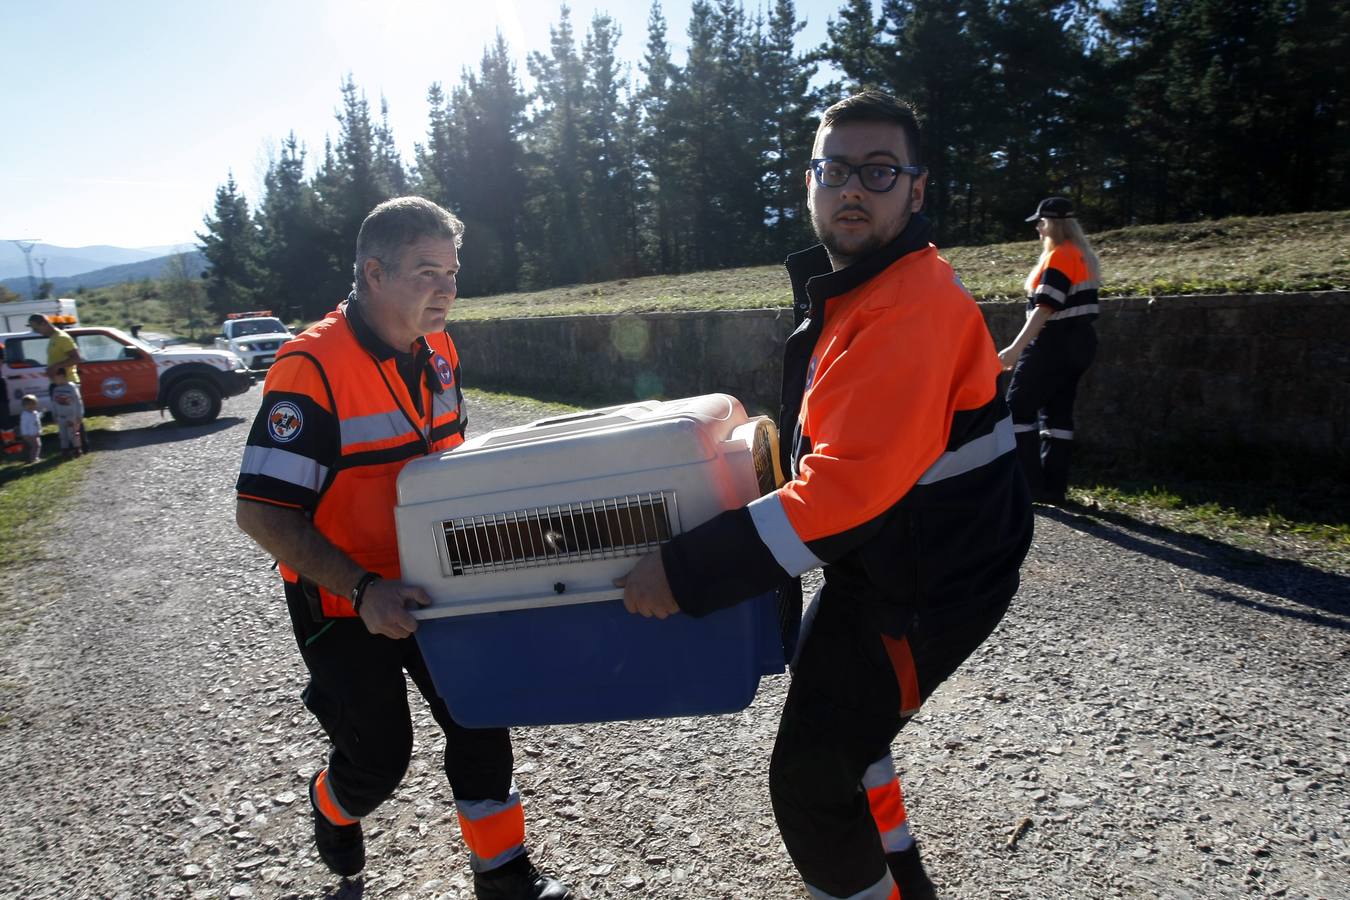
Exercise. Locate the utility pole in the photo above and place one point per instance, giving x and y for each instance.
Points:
(26, 245)
(42, 267)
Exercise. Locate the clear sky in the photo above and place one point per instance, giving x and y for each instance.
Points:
(122, 118)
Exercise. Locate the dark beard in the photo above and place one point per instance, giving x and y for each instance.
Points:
(873, 243)
(867, 248)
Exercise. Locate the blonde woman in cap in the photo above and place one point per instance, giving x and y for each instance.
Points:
(1053, 349)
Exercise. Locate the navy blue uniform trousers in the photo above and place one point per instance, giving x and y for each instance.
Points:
(358, 693)
(1041, 397)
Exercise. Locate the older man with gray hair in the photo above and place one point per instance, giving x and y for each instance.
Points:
(347, 404)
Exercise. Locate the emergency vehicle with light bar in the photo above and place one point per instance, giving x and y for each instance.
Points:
(62, 313)
(120, 373)
(254, 337)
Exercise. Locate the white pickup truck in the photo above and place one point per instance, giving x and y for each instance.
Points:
(254, 337)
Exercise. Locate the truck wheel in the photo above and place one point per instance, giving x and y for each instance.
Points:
(194, 402)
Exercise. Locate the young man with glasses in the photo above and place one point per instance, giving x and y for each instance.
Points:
(904, 487)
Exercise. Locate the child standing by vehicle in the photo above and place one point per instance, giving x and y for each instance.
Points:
(68, 411)
(30, 429)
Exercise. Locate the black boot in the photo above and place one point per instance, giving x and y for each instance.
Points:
(518, 880)
(341, 847)
(907, 870)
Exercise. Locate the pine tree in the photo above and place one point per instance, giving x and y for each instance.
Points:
(606, 186)
(359, 174)
(784, 78)
(350, 182)
(289, 229)
(629, 184)
(695, 118)
(230, 244)
(441, 161)
(557, 246)
(387, 164)
(853, 48)
(490, 187)
(934, 61)
(658, 188)
(1029, 123)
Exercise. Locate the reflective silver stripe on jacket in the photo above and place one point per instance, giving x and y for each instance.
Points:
(283, 465)
(443, 404)
(771, 522)
(374, 427)
(1051, 292)
(1072, 311)
(974, 453)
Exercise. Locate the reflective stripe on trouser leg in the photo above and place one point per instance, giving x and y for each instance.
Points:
(327, 803)
(884, 889)
(842, 713)
(493, 830)
(887, 803)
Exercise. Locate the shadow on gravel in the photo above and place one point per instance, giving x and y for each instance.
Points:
(1289, 580)
(166, 432)
(353, 889)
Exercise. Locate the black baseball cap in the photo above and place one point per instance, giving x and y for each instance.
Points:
(1053, 208)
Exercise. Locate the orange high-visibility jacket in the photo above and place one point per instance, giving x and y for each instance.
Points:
(1063, 282)
(337, 425)
(904, 482)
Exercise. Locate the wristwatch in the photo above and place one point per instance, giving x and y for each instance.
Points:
(359, 592)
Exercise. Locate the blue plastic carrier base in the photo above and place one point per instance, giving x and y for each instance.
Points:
(596, 662)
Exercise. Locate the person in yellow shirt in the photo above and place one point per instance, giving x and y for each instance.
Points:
(61, 350)
(62, 355)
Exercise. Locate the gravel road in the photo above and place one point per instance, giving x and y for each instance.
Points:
(1158, 716)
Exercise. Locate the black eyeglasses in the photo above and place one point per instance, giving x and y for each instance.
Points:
(876, 177)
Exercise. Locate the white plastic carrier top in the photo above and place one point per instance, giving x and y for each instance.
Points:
(550, 513)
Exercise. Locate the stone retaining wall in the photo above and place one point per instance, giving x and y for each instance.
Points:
(1266, 371)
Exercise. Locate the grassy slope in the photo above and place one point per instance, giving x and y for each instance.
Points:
(1306, 251)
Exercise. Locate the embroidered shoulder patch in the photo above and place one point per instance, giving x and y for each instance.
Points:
(444, 371)
(284, 422)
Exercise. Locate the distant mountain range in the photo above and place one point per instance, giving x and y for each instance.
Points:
(142, 265)
(76, 260)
